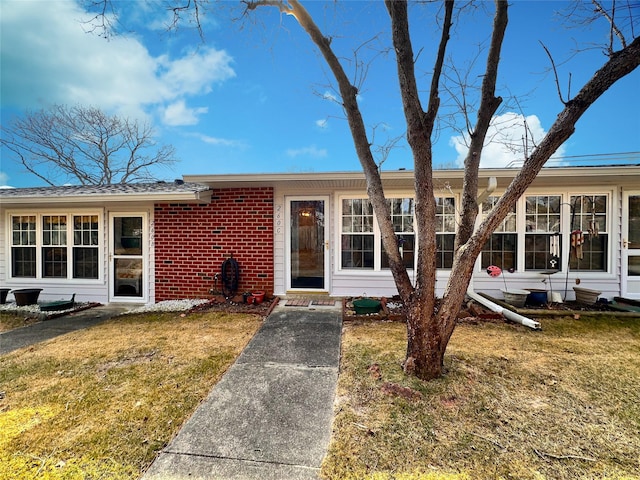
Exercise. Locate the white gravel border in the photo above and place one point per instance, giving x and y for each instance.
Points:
(164, 306)
(169, 306)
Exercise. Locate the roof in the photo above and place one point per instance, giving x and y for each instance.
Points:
(197, 188)
(177, 191)
(621, 175)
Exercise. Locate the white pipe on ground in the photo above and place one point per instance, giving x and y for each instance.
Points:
(513, 316)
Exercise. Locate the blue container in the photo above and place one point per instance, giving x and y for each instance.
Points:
(537, 297)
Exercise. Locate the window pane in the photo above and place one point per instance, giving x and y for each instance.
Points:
(538, 254)
(500, 250)
(54, 230)
(54, 262)
(85, 230)
(591, 255)
(445, 215)
(401, 214)
(85, 262)
(444, 256)
(24, 230)
(23, 262)
(357, 251)
(508, 224)
(406, 242)
(357, 215)
(589, 213)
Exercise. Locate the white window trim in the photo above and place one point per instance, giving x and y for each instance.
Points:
(565, 230)
(377, 237)
(69, 213)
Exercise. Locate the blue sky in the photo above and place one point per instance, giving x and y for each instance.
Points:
(256, 97)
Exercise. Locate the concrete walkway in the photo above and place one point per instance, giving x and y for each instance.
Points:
(270, 415)
(41, 331)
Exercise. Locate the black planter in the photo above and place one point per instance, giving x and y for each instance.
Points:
(26, 296)
(3, 295)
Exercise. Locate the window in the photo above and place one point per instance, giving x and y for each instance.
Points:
(85, 246)
(54, 246)
(23, 246)
(502, 247)
(445, 231)
(361, 242)
(41, 246)
(589, 239)
(357, 234)
(542, 237)
(402, 220)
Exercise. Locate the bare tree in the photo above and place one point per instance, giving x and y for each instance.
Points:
(83, 144)
(429, 324)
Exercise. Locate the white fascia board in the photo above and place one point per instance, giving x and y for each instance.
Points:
(614, 174)
(180, 197)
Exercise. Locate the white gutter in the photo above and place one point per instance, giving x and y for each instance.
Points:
(508, 314)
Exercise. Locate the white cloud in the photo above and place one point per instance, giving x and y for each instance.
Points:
(311, 151)
(220, 142)
(4, 178)
(178, 114)
(322, 124)
(330, 96)
(47, 57)
(505, 141)
(196, 72)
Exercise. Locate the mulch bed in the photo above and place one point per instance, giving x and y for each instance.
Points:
(391, 310)
(237, 305)
(474, 313)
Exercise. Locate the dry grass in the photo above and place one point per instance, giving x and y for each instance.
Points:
(563, 403)
(99, 403)
(11, 320)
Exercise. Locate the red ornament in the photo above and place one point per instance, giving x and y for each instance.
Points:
(494, 271)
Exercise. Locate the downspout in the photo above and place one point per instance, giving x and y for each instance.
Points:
(494, 307)
(491, 186)
(508, 314)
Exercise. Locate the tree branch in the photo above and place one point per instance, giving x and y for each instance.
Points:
(555, 74)
(489, 103)
(613, 28)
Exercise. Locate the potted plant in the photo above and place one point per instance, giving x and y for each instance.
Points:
(258, 296)
(586, 295)
(26, 296)
(514, 296)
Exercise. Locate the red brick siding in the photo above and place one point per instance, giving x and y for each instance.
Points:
(192, 241)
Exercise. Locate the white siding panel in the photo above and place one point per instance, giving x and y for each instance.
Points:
(279, 229)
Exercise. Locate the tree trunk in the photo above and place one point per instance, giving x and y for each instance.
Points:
(425, 345)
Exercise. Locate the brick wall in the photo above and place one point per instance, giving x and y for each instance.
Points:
(192, 241)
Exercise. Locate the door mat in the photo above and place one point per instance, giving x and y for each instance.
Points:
(324, 303)
(297, 302)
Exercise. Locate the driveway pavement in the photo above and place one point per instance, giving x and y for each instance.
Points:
(270, 415)
(41, 331)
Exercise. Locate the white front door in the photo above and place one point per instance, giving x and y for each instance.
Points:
(128, 257)
(631, 245)
(308, 243)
